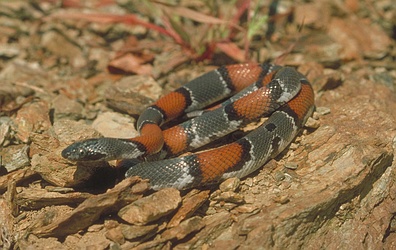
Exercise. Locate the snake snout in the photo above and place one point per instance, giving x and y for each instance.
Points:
(83, 151)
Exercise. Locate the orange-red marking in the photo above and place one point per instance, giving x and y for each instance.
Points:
(301, 103)
(253, 106)
(243, 75)
(173, 104)
(151, 137)
(175, 139)
(214, 163)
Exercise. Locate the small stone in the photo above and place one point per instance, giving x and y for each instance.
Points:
(60, 45)
(247, 208)
(132, 232)
(132, 94)
(109, 224)
(248, 182)
(115, 234)
(152, 207)
(5, 129)
(69, 131)
(32, 118)
(112, 124)
(291, 165)
(15, 157)
(312, 123)
(9, 51)
(256, 190)
(185, 228)
(323, 110)
(279, 176)
(228, 206)
(282, 199)
(95, 228)
(66, 108)
(229, 197)
(191, 202)
(231, 184)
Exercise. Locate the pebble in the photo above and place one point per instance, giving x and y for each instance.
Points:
(279, 176)
(231, 184)
(312, 123)
(191, 202)
(59, 45)
(5, 129)
(66, 108)
(185, 228)
(323, 110)
(131, 232)
(152, 207)
(32, 118)
(115, 234)
(228, 196)
(132, 94)
(112, 124)
(291, 165)
(15, 157)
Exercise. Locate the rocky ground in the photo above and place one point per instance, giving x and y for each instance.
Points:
(71, 70)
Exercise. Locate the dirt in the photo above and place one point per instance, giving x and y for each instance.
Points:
(71, 70)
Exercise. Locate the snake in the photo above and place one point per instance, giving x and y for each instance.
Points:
(214, 105)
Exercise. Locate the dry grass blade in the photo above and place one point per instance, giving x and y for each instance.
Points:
(193, 15)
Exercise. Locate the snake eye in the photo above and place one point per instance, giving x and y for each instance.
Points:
(80, 151)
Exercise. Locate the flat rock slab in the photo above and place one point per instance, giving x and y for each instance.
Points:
(152, 207)
(91, 209)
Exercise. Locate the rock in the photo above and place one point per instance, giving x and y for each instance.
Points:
(29, 76)
(179, 232)
(46, 154)
(185, 228)
(18, 176)
(69, 131)
(131, 232)
(15, 157)
(90, 210)
(115, 235)
(147, 209)
(214, 225)
(58, 171)
(61, 46)
(231, 184)
(33, 242)
(191, 202)
(228, 196)
(32, 118)
(8, 51)
(133, 94)
(66, 108)
(5, 129)
(33, 198)
(91, 240)
(112, 124)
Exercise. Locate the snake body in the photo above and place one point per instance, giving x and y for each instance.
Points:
(253, 90)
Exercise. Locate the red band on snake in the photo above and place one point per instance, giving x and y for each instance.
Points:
(253, 90)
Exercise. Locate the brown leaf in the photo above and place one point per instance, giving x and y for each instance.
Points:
(130, 63)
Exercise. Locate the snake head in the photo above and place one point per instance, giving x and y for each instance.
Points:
(87, 150)
(103, 149)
